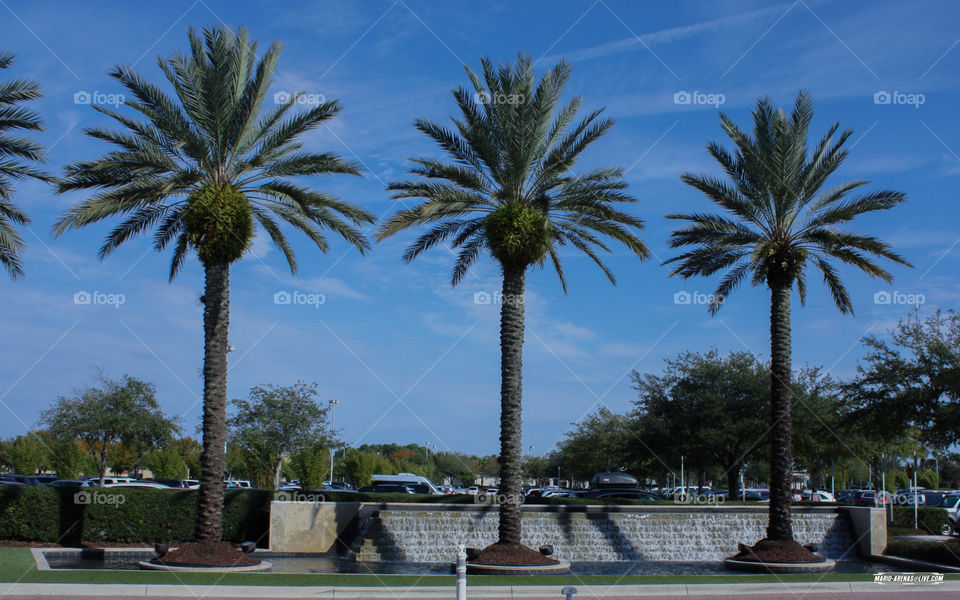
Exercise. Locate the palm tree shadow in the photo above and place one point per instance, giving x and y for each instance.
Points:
(614, 536)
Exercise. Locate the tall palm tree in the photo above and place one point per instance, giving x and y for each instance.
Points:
(16, 154)
(200, 170)
(780, 220)
(507, 186)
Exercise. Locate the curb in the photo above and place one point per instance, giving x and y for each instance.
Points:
(371, 593)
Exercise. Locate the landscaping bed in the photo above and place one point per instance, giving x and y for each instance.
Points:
(946, 552)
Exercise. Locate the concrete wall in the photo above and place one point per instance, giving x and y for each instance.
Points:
(869, 529)
(300, 526)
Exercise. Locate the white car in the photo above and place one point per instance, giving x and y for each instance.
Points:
(950, 502)
(140, 484)
(818, 496)
(111, 481)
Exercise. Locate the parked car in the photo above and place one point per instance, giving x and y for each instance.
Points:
(238, 483)
(180, 484)
(950, 502)
(613, 479)
(922, 497)
(71, 483)
(33, 480)
(872, 498)
(847, 496)
(140, 483)
(386, 488)
(619, 494)
(560, 493)
(755, 495)
(111, 481)
(417, 483)
(818, 496)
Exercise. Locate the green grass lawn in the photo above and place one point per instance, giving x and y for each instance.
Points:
(17, 565)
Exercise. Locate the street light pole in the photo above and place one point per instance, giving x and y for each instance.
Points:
(333, 430)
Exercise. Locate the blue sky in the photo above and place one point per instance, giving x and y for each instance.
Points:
(410, 358)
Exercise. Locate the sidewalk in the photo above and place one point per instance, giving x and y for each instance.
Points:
(754, 591)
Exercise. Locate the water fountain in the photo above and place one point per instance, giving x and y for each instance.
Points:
(595, 534)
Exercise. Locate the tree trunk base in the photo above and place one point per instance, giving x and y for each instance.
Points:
(774, 551)
(511, 555)
(513, 559)
(206, 554)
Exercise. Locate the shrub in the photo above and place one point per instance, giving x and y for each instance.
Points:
(929, 518)
(124, 515)
(944, 553)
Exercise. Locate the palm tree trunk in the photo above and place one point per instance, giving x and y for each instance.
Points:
(781, 451)
(511, 386)
(216, 323)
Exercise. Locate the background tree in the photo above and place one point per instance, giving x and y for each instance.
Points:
(201, 170)
(166, 463)
(24, 454)
(457, 467)
(310, 465)
(17, 156)
(599, 442)
(779, 222)
(112, 412)
(707, 407)
(189, 450)
(362, 465)
(509, 188)
(277, 421)
(912, 377)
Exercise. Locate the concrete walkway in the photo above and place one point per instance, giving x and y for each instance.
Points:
(753, 591)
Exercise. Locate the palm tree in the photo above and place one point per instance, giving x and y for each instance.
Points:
(508, 188)
(200, 170)
(13, 151)
(779, 220)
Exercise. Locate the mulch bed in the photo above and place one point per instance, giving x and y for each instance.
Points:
(773, 551)
(206, 554)
(512, 555)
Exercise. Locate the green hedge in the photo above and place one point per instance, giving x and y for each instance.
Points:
(146, 516)
(124, 515)
(944, 553)
(929, 518)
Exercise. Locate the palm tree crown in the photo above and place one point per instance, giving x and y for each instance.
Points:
(202, 167)
(779, 218)
(508, 186)
(16, 154)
